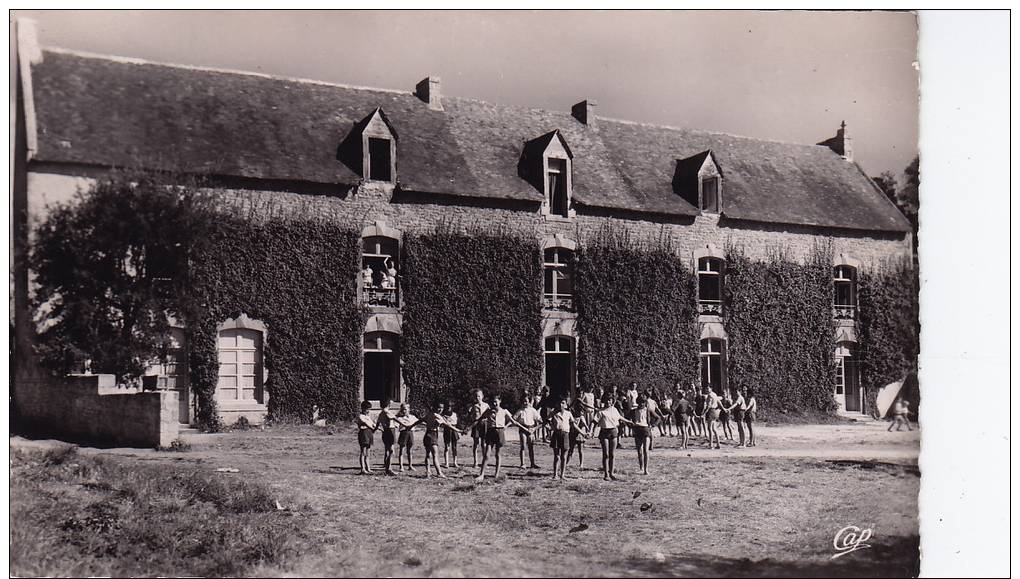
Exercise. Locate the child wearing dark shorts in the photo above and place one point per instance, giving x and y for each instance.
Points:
(450, 436)
(387, 423)
(405, 441)
(366, 432)
(577, 436)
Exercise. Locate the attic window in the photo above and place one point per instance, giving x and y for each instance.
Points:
(559, 203)
(379, 160)
(710, 195)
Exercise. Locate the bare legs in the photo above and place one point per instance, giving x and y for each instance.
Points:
(400, 458)
(740, 431)
(711, 432)
(608, 458)
(448, 449)
(366, 464)
(750, 434)
(432, 450)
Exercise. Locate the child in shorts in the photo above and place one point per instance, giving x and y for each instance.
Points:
(608, 419)
(405, 441)
(450, 435)
(724, 415)
(530, 419)
(433, 421)
(366, 432)
(387, 423)
(497, 419)
(750, 416)
(562, 423)
(577, 436)
(478, 428)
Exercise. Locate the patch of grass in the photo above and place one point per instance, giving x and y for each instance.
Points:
(98, 516)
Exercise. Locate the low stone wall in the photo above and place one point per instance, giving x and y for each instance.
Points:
(92, 408)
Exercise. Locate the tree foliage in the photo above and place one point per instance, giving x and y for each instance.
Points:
(111, 270)
(472, 314)
(636, 312)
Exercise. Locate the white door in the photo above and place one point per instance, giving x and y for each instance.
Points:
(240, 376)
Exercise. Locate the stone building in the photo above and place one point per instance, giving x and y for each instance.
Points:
(394, 161)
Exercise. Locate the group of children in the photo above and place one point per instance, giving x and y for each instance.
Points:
(613, 416)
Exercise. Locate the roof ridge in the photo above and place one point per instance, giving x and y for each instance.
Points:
(135, 60)
(705, 132)
(143, 61)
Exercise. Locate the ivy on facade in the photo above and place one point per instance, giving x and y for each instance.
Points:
(636, 313)
(778, 319)
(297, 277)
(472, 314)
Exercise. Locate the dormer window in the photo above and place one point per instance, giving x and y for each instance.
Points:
(559, 203)
(546, 164)
(699, 181)
(710, 195)
(379, 160)
(370, 149)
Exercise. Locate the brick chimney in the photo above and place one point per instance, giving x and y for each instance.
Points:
(428, 91)
(584, 111)
(842, 144)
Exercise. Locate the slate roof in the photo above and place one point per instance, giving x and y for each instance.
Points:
(119, 112)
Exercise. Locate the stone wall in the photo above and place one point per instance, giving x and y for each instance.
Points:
(91, 408)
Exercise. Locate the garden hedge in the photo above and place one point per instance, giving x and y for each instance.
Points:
(298, 277)
(472, 314)
(778, 317)
(636, 315)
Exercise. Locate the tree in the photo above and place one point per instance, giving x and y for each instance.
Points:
(111, 270)
(887, 183)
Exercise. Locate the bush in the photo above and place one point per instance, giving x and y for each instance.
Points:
(472, 314)
(778, 317)
(636, 313)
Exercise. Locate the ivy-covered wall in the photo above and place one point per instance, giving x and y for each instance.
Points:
(778, 319)
(298, 277)
(889, 325)
(472, 314)
(636, 315)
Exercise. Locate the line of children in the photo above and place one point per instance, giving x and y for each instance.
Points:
(568, 430)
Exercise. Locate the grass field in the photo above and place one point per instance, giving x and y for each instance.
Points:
(772, 510)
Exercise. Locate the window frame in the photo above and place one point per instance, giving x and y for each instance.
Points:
(716, 186)
(839, 281)
(370, 162)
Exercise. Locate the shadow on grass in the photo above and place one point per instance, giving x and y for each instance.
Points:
(898, 557)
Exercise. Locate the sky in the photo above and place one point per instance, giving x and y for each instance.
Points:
(787, 76)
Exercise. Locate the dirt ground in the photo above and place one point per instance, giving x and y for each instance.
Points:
(769, 510)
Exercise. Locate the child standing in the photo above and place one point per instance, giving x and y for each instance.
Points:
(450, 435)
(711, 415)
(738, 408)
(642, 431)
(530, 419)
(478, 428)
(750, 416)
(387, 423)
(683, 417)
(725, 407)
(366, 432)
(496, 418)
(608, 419)
(666, 425)
(563, 422)
(577, 436)
(433, 422)
(405, 441)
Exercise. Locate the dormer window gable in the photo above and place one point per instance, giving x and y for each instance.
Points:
(547, 163)
(370, 148)
(699, 181)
